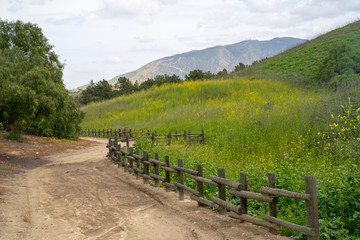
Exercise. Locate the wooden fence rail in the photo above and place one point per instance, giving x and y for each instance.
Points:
(127, 135)
(268, 194)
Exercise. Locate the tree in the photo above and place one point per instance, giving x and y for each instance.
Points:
(124, 86)
(95, 92)
(239, 67)
(222, 73)
(32, 94)
(194, 75)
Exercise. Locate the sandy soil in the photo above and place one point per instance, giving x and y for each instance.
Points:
(79, 194)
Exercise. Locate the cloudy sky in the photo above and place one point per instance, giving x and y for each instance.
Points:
(99, 39)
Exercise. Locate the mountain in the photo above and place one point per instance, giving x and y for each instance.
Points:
(212, 59)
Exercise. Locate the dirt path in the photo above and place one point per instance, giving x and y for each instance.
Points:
(79, 194)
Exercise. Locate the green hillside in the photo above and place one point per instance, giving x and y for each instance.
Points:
(293, 125)
(303, 62)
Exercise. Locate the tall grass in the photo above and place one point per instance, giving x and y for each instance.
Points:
(250, 118)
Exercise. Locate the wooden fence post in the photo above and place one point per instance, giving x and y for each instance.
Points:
(131, 152)
(272, 206)
(118, 148)
(156, 170)
(222, 191)
(169, 138)
(185, 135)
(200, 185)
(138, 165)
(146, 167)
(153, 137)
(181, 179)
(243, 201)
(203, 136)
(167, 173)
(312, 215)
(110, 145)
(127, 141)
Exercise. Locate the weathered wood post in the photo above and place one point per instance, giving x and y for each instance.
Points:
(125, 161)
(185, 135)
(127, 141)
(200, 185)
(203, 136)
(312, 214)
(118, 148)
(169, 138)
(131, 152)
(153, 137)
(111, 132)
(114, 144)
(189, 135)
(110, 150)
(181, 179)
(222, 191)
(146, 167)
(138, 165)
(272, 205)
(167, 173)
(156, 170)
(243, 201)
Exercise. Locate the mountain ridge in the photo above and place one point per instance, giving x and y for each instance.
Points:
(212, 59)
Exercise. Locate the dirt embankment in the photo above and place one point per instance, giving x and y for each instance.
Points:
(78, 194)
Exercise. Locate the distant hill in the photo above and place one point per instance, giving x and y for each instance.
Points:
(212, 59)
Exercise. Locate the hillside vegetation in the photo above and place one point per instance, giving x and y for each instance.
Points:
(305, 62)
(303, 119)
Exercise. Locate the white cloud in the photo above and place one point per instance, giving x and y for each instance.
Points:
(263, 6)
(126, 8)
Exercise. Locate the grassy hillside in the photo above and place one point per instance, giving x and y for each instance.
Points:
(303, 62)
(261, 126)
(232, 112)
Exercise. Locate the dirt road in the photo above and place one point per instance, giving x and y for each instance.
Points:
(79, 194)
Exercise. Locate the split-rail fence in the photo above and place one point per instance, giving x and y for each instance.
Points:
(127, 135)
(139, 165)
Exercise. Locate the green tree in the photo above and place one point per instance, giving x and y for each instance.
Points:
(96, 92)
(239, 67)
(33, 96)
(124, 86)
(222, 73)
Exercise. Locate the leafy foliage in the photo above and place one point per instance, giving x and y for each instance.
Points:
(33, 97)
(95, 92)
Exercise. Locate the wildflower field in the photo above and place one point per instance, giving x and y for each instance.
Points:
(256, 126)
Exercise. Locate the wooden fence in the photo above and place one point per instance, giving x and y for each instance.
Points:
(140, 165)
(127, 135)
